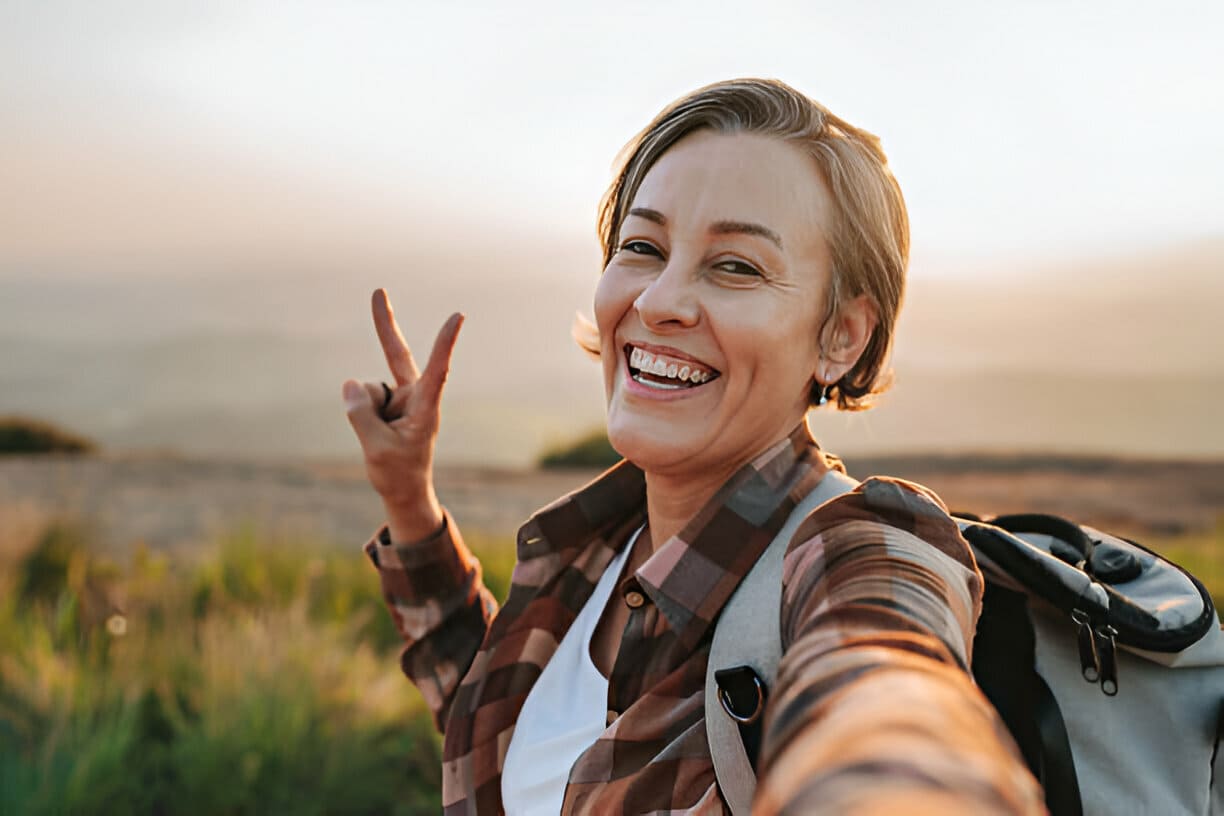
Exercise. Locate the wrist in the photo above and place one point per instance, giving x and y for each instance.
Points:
(409, 523)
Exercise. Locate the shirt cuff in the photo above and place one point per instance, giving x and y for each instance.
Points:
(383, 552)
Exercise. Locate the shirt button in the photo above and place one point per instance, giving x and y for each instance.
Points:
(612, 715)
(634, 599)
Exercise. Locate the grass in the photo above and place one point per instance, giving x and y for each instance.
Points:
(1200, 553)
(259, 678)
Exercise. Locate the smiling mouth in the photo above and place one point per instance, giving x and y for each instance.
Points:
(666, 373)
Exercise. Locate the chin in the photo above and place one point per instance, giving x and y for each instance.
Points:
(650, 451)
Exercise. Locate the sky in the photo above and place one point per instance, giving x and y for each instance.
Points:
(199, 197)
(1030, 129)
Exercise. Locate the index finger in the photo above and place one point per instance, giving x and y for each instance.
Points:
(395, 348)
(438, 366)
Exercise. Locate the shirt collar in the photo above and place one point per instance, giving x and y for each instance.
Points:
(592, 511)
(691, 576)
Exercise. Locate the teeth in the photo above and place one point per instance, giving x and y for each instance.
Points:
(647, 363)
(662, 386)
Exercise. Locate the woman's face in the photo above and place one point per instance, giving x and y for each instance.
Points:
(709, 312)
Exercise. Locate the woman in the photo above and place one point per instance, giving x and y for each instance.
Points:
(754, 249)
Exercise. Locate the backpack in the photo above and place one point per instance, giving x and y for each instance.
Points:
(1105, 661)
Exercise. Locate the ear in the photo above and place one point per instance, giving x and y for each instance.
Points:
(845, 337)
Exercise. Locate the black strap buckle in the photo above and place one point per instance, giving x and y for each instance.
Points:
(741, 694)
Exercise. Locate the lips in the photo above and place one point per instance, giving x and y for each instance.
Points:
(666, 369)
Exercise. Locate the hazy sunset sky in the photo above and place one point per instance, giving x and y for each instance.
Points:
(141, 129)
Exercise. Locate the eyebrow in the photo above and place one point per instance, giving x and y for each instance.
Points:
(718, 228)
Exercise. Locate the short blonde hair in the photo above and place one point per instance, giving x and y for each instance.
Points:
(869, 236)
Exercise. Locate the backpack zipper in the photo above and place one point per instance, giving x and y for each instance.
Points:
(1090, 664)
(1109, 661)
(1098, 651)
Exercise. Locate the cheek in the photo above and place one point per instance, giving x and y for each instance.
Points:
(608, 313)
(778, 353)
(603, 307)
(612, 301)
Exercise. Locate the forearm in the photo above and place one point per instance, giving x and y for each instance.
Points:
(873, 709)
(886, 730)
(440, 605)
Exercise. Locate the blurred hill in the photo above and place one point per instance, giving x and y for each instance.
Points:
(1114, 355)
(25, 436)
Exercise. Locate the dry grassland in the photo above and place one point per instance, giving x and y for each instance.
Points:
(177, 504)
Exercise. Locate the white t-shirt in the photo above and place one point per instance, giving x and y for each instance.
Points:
(563, 715)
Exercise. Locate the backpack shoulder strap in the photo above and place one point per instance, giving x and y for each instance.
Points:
(747, 633)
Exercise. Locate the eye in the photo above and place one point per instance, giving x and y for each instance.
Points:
(738, 268)
(641, 248)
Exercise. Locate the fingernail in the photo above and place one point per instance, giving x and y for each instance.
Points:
(352, 393)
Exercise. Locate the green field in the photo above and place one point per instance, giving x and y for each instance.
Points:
(259, 679)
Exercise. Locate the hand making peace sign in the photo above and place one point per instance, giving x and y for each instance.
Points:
(397, 427)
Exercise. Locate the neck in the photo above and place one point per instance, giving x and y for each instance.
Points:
(672, 501)
(673, 498)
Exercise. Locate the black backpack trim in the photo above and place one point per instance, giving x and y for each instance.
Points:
(1004, 666)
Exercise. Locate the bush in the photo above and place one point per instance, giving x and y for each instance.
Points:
(25, 435)
(592, 450)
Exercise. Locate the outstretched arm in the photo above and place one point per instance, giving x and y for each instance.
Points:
(874, 710)
(430, 581)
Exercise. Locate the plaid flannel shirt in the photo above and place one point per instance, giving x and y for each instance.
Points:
(873, 709)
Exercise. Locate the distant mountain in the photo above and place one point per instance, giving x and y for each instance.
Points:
(1119, 355)
(1139, 315)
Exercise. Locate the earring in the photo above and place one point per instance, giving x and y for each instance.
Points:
(824, 393)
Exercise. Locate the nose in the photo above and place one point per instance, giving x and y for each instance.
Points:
(670, 301)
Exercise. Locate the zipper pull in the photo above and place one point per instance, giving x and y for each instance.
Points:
(1090, 665)
(1109, 660)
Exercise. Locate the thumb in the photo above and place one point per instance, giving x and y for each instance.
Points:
(361, 413)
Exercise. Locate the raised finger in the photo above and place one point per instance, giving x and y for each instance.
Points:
(434, 376)
(362, 408)
(395, 348)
